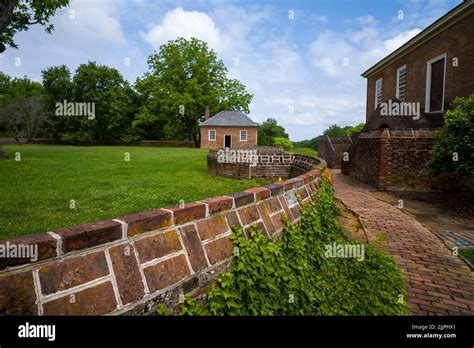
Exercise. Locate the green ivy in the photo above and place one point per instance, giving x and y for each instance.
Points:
(292, 276)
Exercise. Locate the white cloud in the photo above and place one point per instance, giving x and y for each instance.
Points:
(187, 24)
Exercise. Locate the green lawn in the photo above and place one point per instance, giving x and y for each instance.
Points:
(305, 151)
(36, 191)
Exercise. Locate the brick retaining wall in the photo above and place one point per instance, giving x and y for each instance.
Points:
(129, 264)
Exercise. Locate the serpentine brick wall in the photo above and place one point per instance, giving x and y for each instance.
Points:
(129, 264)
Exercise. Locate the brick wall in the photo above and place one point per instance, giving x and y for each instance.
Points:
(233, 131)
(270, 163)
(331, 149)
(391, 159)
(129, 264)
(457, 42)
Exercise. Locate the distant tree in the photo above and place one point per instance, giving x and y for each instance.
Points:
(285, 143)
(268, 131)
(112, 97)
(57, 87)
(335, 131)
(21, 107)
(19, 15)
(311, 143)
(354, 129)
(184, 77)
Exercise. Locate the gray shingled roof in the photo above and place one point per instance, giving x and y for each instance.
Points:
(229, 118)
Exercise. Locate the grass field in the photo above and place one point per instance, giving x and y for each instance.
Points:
(36, 192)
(306, 151)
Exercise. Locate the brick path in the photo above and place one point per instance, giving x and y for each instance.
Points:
(437, 282)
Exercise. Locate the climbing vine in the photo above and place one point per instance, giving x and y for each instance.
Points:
(292, 276)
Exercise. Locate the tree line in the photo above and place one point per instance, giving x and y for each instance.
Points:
(166, 103)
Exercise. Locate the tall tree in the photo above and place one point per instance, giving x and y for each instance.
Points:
(112, 97)
(268, 131)
(184, 77)
(19, 15)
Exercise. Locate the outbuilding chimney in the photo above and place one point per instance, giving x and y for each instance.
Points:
(206, 113)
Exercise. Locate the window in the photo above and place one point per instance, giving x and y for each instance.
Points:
(212, 135)
(378, 92)
(435, 79)
(401, 82)
(243, 135)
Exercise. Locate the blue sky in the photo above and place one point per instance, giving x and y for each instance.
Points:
(302, 60)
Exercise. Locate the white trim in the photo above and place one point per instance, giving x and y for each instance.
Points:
(397, 91)
(246, 134)
(209, 135)
(428, 82)
(223, 140)
(375, 91)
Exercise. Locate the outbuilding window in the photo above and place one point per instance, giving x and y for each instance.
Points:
(243, 135)
(401, 82)
(212, 135)
(378, 92)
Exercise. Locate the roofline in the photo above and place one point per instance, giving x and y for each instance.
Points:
(414, 42)
(229, 125)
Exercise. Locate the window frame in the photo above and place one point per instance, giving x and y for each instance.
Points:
(397, 94)
(428, 83)
(375, 91)
(209, 135)
(246, 135)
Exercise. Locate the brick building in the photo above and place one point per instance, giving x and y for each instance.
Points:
(228, 129)
(426, 73)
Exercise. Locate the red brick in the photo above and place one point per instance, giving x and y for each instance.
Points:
(158, 245)
(259, 226)
(287, 185)
(273, 205)
(287, 210)
(127, 273)
(212, 227)
(166, 273)
(96, 300)
(267, 220)
(190, 211)
(278, 222)
(261, 193)
(193, 246)
(233, 220)
(17, 294)
(218, 204)
(242, 198)
(248, 215)
(46, 246)
(71, 272)
(276, 189)
(219, 249)
(89, 235)
(147, 221)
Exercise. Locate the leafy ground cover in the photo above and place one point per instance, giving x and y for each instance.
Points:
(296, 275)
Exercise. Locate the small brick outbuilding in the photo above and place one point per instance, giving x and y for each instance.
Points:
(228, 129)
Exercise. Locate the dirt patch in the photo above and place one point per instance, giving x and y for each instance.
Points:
(350, 224)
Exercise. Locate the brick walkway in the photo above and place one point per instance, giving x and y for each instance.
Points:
(438, 283)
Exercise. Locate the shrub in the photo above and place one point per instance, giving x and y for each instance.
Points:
(453, 152)
(292, 276)
(285, 143)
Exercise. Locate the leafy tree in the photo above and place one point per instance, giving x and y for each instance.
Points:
(184, 77)
(311, 143)
(21, 106)
(268, 131)
(335, 131)
(453, 152)
(354, 129)
(112, 97)
(19, 15)
(58, 87)
(285, 143)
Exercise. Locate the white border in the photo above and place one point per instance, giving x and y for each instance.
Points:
(428, 82)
